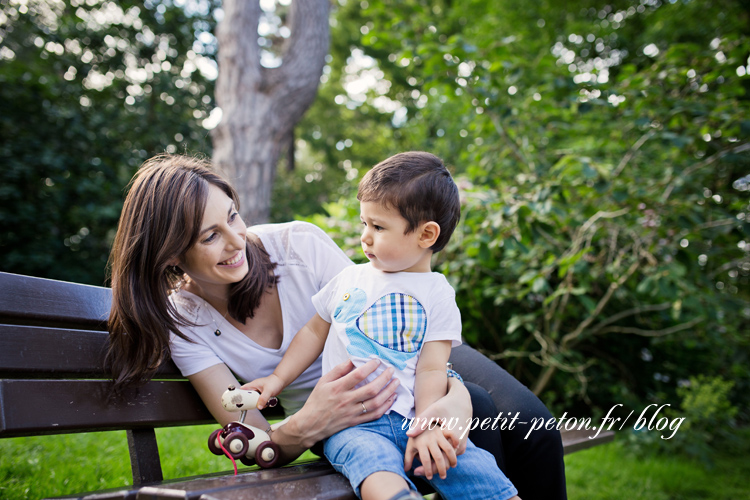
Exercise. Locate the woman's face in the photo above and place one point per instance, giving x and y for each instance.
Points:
(218, 257)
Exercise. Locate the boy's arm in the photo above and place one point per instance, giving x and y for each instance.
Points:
(431, 377)
(302, 352)
(431, 384)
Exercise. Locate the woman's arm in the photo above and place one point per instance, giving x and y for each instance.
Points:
(211, 384)
(333, 405)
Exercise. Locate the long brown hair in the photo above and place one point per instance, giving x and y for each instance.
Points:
(160, 221)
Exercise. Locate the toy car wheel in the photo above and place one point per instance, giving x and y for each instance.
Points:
(213, 444)
(247, 461)
(236, 444)
(267, 454)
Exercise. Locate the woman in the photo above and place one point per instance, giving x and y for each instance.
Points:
(190, 281)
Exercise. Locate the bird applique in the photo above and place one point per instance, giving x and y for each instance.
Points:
(391, 329)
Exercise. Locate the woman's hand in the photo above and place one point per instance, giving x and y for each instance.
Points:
(455, 410)
(335, 404)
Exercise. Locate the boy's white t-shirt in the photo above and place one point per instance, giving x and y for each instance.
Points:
(306, 260)
(374, 314)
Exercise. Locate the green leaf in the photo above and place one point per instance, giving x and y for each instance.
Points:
(588, 303)
(568, 261)
(539, 285)
(562, 291)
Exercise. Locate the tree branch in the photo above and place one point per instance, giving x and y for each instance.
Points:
(295, 82)
(652, 333)
(550, 367)
(600, 215)
(697, 166)
(563, 302)
(511, 354)
(726, 266)
(570, 337)
(239, 53)
(629, 312)
(632, 151)
(511, 143)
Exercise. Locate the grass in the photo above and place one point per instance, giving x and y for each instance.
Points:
(45, 466)
(613, 472)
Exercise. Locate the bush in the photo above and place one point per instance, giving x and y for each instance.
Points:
(709, 422)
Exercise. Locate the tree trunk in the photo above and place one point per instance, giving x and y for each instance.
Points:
(260, 106)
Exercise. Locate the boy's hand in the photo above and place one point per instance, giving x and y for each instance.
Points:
(458, 445)
(432, 447)
(268, 387)
(451, 408)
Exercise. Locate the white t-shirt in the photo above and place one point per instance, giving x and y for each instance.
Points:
(374, 314)
(306, 259)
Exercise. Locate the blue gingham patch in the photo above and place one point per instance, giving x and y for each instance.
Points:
(395, 321)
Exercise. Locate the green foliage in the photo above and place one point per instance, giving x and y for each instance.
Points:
(709, 414)
(602, 255)
(709, 425)
(88, 90)
(705, 401)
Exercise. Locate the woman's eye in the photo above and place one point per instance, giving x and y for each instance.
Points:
(210, 238)
(378, 228)
(233, 217)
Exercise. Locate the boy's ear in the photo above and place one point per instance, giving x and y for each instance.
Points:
(429, 233)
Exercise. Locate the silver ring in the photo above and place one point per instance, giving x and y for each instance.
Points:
(364, 408)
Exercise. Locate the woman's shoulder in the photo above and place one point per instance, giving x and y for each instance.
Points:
(286, 229)
(188, 306)
(291, 240)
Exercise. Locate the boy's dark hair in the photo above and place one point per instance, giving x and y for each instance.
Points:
(420, 187)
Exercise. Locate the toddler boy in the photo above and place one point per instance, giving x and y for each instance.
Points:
(396, 309)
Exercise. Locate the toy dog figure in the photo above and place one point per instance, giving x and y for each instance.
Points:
(244, 442)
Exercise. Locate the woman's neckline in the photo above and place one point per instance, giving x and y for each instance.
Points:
(234, 330)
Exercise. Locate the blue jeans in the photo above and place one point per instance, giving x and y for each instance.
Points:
(362, 450)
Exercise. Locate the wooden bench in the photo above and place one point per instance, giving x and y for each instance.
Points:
(52, 344)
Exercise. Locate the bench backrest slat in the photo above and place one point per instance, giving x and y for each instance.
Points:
(27, 300)
(31, 407)
(38, 351)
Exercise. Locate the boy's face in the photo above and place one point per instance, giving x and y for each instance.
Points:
(386, 245)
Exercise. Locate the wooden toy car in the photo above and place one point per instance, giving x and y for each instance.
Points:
(249, 444)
